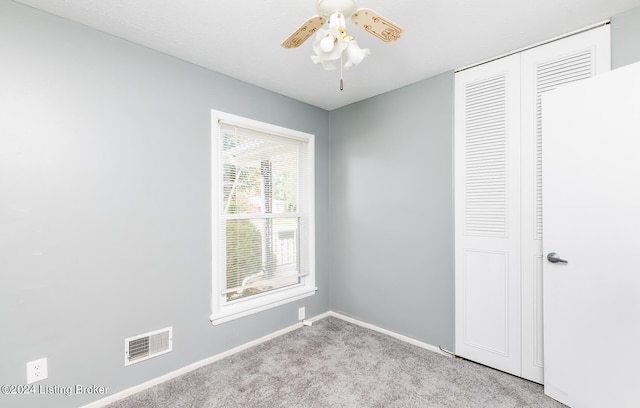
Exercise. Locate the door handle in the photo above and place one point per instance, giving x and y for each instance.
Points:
(553, 258)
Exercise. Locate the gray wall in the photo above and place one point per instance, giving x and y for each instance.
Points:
(105, 200)
(625, 38)
(392, 211)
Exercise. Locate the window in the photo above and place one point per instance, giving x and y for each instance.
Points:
(262, 216)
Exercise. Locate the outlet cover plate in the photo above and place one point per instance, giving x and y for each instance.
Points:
(37, 370)
(301, 313)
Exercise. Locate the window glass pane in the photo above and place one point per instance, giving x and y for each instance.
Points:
(260, 174)
(262, 255)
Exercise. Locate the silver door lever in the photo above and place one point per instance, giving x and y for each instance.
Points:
(553, 258)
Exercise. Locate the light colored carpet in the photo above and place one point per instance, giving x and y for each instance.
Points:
(338, 364)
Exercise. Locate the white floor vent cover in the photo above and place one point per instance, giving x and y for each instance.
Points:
(145, 346)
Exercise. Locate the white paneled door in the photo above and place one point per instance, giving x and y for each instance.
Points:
(591, 142)
(488, 214)
(544, 69)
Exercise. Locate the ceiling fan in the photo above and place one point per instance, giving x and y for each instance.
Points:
(330, 44)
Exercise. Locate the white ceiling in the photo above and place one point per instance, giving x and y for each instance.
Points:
(241, 38)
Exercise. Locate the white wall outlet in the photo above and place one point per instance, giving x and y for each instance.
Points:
(37, 370)
(301, 313)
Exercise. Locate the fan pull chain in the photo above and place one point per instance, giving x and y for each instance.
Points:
(341, 82)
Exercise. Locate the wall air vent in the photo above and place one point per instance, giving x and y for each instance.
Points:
(145, 346)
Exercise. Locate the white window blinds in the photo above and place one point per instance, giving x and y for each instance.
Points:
(262, 210)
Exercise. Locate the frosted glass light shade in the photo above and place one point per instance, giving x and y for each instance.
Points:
(355, 54)
(330, 44)
(327, 43)
(326, 58)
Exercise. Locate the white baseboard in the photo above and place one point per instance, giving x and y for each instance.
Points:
(158, 380)
(169, 376)
(398, 336)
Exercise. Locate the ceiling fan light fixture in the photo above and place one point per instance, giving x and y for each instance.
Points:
(326, 58)
(328, 43)
(354, 53)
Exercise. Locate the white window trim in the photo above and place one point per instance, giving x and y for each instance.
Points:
(221, 310)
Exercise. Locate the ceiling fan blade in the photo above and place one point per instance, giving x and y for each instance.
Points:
(305, 31)
(376, 25)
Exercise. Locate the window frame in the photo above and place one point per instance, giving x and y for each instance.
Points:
(221, 309)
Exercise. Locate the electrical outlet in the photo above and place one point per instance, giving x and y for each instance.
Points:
(301, 313)
(37, 370)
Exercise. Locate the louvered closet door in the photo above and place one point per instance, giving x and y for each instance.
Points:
(498, 198)
(546, 68)
(487, 214)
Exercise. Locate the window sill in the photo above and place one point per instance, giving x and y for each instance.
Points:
(235, 311)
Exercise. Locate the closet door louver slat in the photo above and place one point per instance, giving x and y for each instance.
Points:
(549, 76)
(485, 162)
